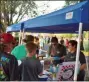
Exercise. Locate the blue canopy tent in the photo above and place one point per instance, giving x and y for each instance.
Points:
(66, 20)
(14, 28)
(58, 21)
(69, 19)
(72, 18)
(19, 26)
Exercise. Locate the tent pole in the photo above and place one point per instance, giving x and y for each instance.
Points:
(23, 34)
(22, 37)
(19, 37)
(88, 56)
(78, 52)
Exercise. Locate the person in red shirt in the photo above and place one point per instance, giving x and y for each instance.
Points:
(67, 43)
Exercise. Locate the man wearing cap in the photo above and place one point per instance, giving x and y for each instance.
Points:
(20, 51)
(8, 40)
(8, 63)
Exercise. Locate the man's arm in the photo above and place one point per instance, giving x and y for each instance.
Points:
(39, 68)
(82, 61)
(49, 50)
(64, 53)
(63, 57)
(13, 69)
(83, 66)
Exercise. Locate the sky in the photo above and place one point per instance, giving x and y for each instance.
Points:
(47, 7)
(52, 5)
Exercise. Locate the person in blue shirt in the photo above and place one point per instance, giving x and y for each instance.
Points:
(8, 63)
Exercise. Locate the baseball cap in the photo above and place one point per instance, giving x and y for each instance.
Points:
(6, 38)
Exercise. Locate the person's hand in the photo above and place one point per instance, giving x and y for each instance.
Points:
(56, 58)
(63, 57)
(50, 58)
(41, 74)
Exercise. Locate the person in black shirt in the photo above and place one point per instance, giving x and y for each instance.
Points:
(81, 43)
(62, 41)
(8, 63)
(30, 68)
(56, 50)
(71, 56)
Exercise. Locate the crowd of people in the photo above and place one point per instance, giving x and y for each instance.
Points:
(29, 66)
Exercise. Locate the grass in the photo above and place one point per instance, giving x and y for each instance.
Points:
(86, 53)
(86, 48)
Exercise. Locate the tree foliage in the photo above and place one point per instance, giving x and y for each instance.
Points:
(72, 2)
(12, 11)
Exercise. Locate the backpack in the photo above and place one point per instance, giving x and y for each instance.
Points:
(3, 76)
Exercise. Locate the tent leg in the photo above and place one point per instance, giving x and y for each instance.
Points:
(88, 58)
(78, 52)
(20, 37)
(87, 66)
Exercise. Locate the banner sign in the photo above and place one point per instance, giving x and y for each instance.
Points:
(66, 71)
(69, 15)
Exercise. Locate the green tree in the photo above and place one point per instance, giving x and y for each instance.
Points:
(72, 2)
(12, 11)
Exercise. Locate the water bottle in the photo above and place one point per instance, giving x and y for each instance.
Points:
(40, 51)
(42, 62)
(54, 73)
(54, 69)
(51, 68)
(57, 67)
(46, 55)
